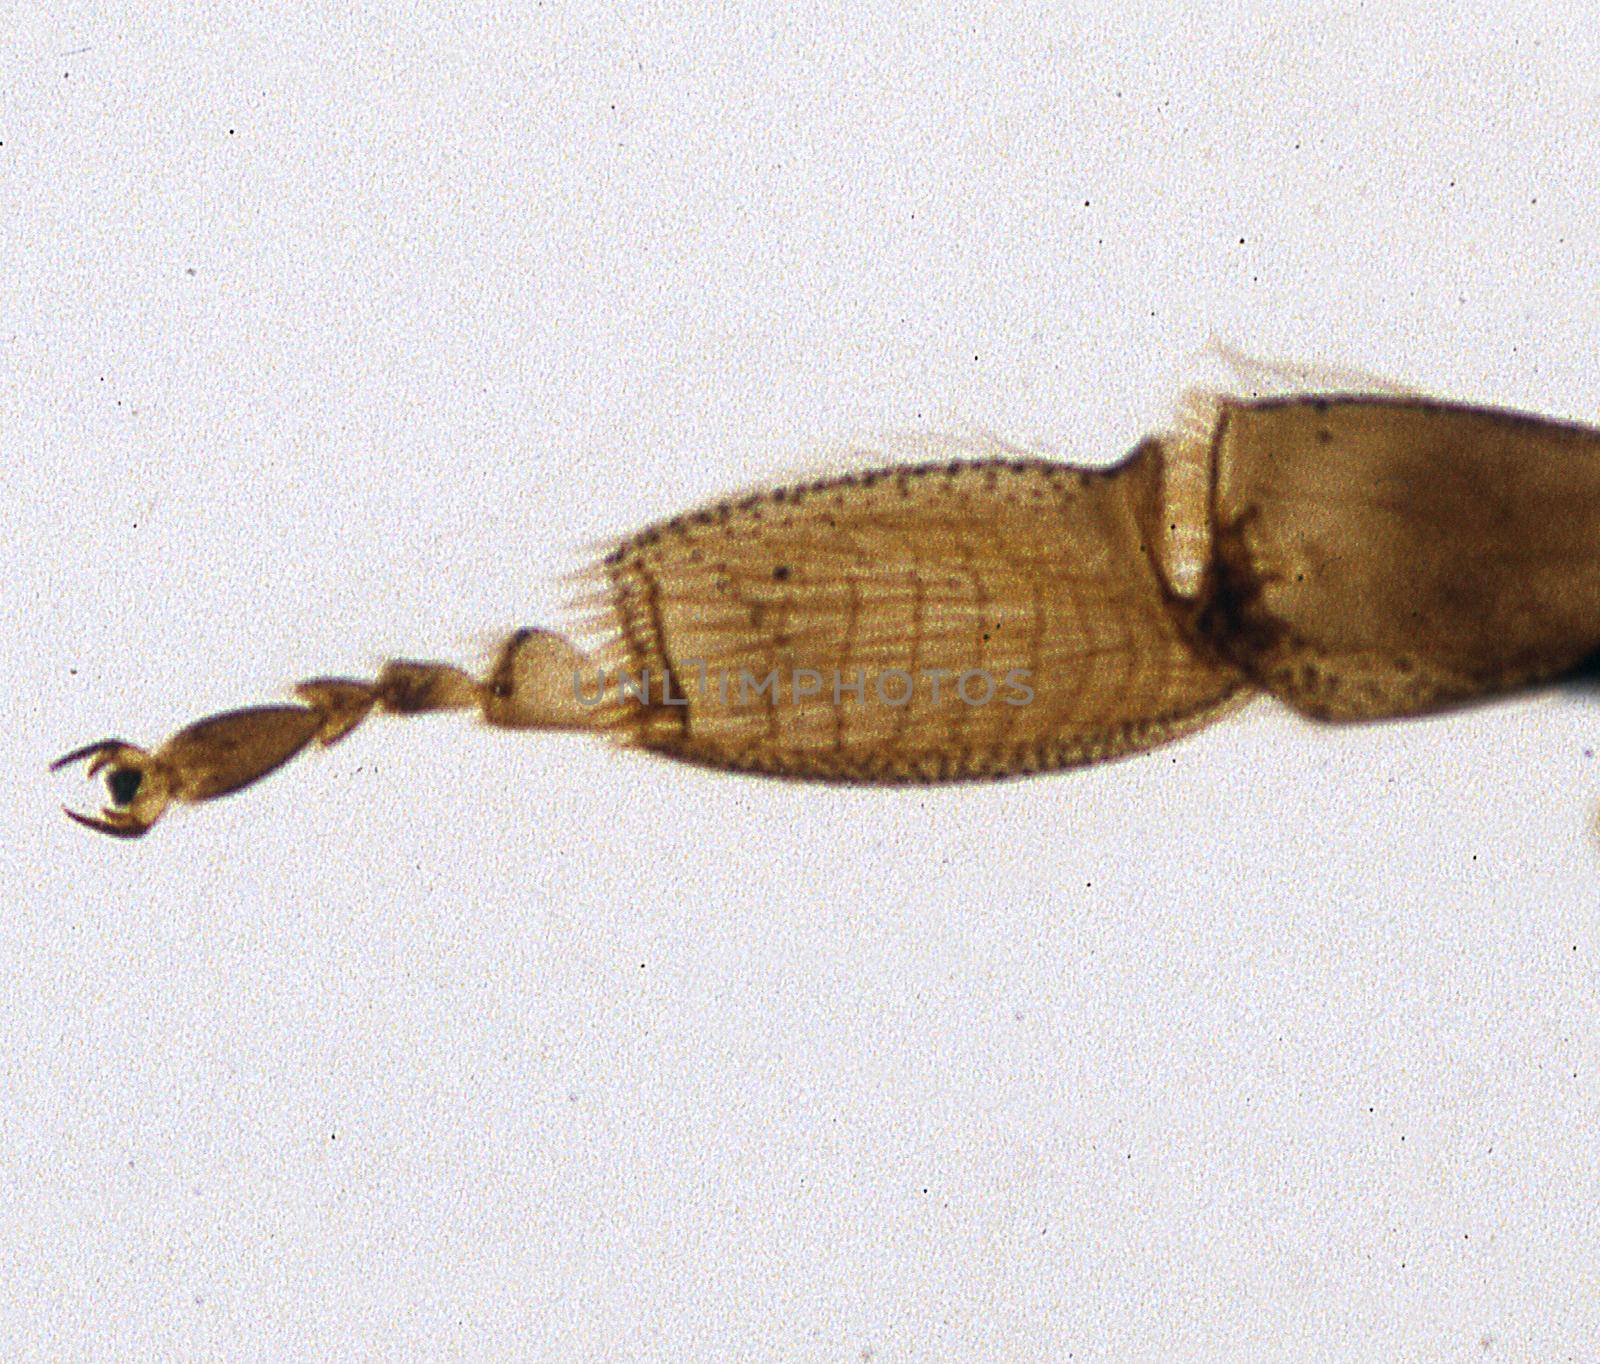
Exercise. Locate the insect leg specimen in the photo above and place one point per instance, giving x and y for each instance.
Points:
(1355, 557)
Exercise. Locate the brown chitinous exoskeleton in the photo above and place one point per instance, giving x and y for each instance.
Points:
(1356, 557)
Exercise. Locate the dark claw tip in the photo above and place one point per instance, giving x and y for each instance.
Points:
(106, 826)
(87, 751)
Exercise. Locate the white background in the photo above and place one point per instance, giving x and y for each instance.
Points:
(325, 337)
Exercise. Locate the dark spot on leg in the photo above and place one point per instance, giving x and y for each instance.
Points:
(124, 784)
